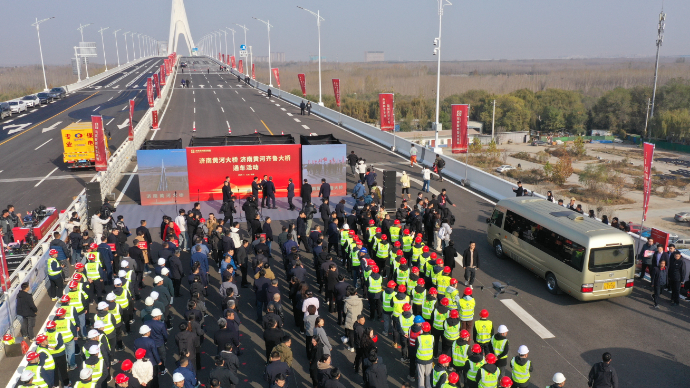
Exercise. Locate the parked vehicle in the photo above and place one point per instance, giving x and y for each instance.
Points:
(682, 217)
(5, 110)
(45, 97)
(17, 106)
(31, 101)
(617, 140)
(683, 243)
(60, 92)
(78, 146)
(505, 168)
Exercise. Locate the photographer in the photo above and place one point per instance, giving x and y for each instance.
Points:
(6, 227)
(97, 222)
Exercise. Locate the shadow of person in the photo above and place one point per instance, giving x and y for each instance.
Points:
(637, 368)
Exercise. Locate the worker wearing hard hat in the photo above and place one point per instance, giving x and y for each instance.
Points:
(521, 368)
(488, 376)
(499, 346)
(558, 381)
(483, 331)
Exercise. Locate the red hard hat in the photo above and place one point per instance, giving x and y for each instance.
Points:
(476, 348)
(351, 232)
(358, 241)
(433, 255)
(31, 356)
(65, 299)
(375, 269)
(406, 232)
(464, 334)
(52, 252)
(40, 338)
(384, 237)
(93, 246)
(414, 269)
(396, 244)
(403, 261)
(399, 252)
(60, 312)
(419, 235)
(425, 248)
(418, 240)
(421, 282)
(444, 358)
(79, 266)
(7, 337)
(127, 365)
(426, 327)
(439, 262)
(453, 378)
(453, 281)
(51, 325)
(446, 269)
(468, 291)
(454, 314)
(378, 230)
(396, 222)
(506, 382)
(407, 307)
(372, 222)
(445, 301)
(391, 284)
(91, 256)
(121, 378)
(490, 358)
(402, 288)
(77, 276)
(371, 262)
(432, 290)
(484, 314)
(140, 353)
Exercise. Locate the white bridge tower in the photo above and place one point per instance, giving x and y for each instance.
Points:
(179, 25)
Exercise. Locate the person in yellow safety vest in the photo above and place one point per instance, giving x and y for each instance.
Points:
(56, 347)
(394, 264)
(395, 230)
(26, 379)
(425, 355)
(418, 297)
(388, 294)
(402, 273)
(461, 352)
(344, 234)
(42, 377)
(437, 271)
(374, 290)
(97, 337)
(417, 250)
(47, 360)
(441, 369)
(423, 263)
(83, 285)
(521, 368)
(489, 374)
(7, 340)
(356, 264)
(97, 365)
(96, 273)
(500, 346)
(405, 322)
(429, 304)
(377, 239)
(398, 301)
(407, 242)
(54, 275)
(351, 247)
(506, 382)
(370, 231)
(69, 333)
(438, 318)
(122, 297)
(474, 364)
(483, 331)
(451, 331)
(412, 281)
(443, 280)
(453, 293)
(466, 306)
(383, 250)
(367, 265)
(116, 311)
(398, 252)
(453, 381)
(85, 380)
(108, 320)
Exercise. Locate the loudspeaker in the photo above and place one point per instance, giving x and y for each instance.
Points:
(389, 186)
(93, 198)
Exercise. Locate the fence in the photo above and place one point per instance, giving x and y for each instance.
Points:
(99, 77)
(671, 146)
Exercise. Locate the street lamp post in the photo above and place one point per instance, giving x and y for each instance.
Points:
(318, 25)
(659, 42)
(81, 30)
(139, 43)
(126, 48)
(270, 71)
(117, 49)
(40, 49)
(226, 40)
(105, 62)
(134, 49)
(245, 44)
(437, 51)
(233, 40)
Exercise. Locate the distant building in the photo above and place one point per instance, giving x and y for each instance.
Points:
(275, 57)
(373, 56)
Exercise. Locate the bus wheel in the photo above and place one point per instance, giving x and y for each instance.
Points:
(552, 284)
(498, 249)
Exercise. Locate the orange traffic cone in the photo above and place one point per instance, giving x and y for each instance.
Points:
(255, 131)
(229, 131)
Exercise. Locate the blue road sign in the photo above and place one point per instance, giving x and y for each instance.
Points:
(243, 47)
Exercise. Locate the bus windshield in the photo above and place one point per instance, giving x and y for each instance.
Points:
(611, 258)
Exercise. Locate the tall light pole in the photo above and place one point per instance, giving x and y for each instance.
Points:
(270, 71)
(81, 30)
(437, 51)
(659, 42)
(117, 49)
(40, 49)
(233, 40)
(139, 43)
(219, 46)
(226, 39)
(126, 48)
(318, 25)
(245, 44)
(105, 62)
(134, 49)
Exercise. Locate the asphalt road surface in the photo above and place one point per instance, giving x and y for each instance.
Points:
(564, 335)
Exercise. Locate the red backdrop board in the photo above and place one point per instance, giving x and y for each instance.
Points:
(208, 167)
(459, 116)
(660, 238)
(131, 120)
(336, 91)
(302, 84)
(154, 119)
(100, 151)
(163, 76)
(386, 111)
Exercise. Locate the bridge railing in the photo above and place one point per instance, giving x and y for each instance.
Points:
(101, 76)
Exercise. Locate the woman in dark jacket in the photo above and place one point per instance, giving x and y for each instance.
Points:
(315, 355)
(367, 345)
(296, 298)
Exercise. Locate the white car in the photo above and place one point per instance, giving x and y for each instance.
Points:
(17, 106)
(505, 168)
(683, 243)
(31, 100)
(617, 140)
(682, 217)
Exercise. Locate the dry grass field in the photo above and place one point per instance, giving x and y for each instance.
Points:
(19, 81)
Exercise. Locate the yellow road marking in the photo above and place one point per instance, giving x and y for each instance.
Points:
(262, 122)
(50, 118)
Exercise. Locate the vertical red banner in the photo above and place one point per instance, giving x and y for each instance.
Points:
(149, 91)
(302, 84)
(130, 136)
(100, 150)
(232, 62)
(241, 67)
(253, 73)
(163, 76)
(459, 117)
(276, 74)
(648, 158)
(386, 111)
(223, 61)
(336, 91)
(158, 85)
(154, 118)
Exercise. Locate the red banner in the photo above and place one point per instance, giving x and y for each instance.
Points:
(223, 61)
(149, 91)
(232, 62)
(241, 67)
(163, 75)
(303, 84)
(336, 91)
(459, 116)
(276, 74)
(100, 150)
(253, 74)
(158, 85)
(154, 118)
(207, 166)
(648, 158)
(131, 120)
(386, 111)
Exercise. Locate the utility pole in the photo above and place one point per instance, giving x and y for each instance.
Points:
(40, 49)
(126, 47)
(105, 62)
(319, 19)
(493, 120)
(117, 49)
(646, 121)
(437, 51)
(659, 42)
(233, 40)
(81, 30)
(245, 43)
(270, 70)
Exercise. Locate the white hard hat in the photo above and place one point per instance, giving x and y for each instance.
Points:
(523, 349)
(110, 297)
(177, 377)
(117, 282)
(102, 305)
(165, 271)
(156, 313)
(27, 375)
(502, 329)
(94, 349)
(144, 329)
(346, 226)
(154, 295)
(124, 264)
(157, 279)
(122, 273)
(85, 373)
(148, 301)
(93, 334)
(558, 378)
(161, 261)
(99, 325)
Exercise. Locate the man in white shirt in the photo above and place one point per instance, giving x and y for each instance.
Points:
(181, 221)
(426, 176)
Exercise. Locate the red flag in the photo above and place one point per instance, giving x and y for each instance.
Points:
(241, 67)
(253, 74)
(386, 111)
(99, 143)
(154, 118)
(276, 74)
(163, 76)
(158, 85)
(459, 117)
(648, 158)
(131, 119)
(302, 83)
(336, 90)
(149, 91)
(223, 61)
(232, 61)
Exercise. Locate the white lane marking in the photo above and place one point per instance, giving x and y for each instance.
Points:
(111, 120)
(192, 92)
(298, 120)
(527, 318)
(77, 121)
(194, 109)
(221, 108)
(304, 126)
(244, 99)
(51, 127)
(251, 108)
(289, 114)
(214, 92)
(277, 104)
(194, 99)
(34, 110)
(125, 107)
(46, 177)
(110, 98)
(124, 189)
(273, 101)
(283, 109)
(218, 99)
(42, 144)
(226, 122)
(96, 108)
(8, 121)
(237, 92)
(21, 115)
(124, 124)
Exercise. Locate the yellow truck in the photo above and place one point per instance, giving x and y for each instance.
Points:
(78, 145)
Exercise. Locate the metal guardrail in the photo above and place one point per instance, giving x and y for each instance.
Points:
(100, 76)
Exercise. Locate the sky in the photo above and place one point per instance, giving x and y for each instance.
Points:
(403, 29)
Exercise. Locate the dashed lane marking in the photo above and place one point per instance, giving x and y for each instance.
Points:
(289, 114)
(251, 108)
(244, 99)
(221, 108)
(283, 109)
(46, 177)
(298, 120)
(304, 126)
(48, 141)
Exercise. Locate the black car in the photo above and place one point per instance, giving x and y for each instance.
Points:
(59, 92)
(45, 97)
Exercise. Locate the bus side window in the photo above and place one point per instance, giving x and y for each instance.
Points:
(497, 218)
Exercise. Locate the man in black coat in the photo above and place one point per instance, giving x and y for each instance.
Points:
(241, 259)
(352, 160)
(290, 194)
(325, 211)
(227, 191)
(260, 286)
(57, 243)
(255, 226)
(325, 189)
(299, 271)
(224, 336)
(262, 184)
(27, 310)
(306, 193)
(270, 192)
(147, 234)
(340, 294)
(223, 374)
(302, 231)
(138, 255)
(470, 260)
(256, 186)
(377, 373)
(272, 337)
(449, 254)
(268, 231)
(274, 368)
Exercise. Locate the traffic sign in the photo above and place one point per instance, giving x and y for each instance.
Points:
(243, 54)
(243, 47)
